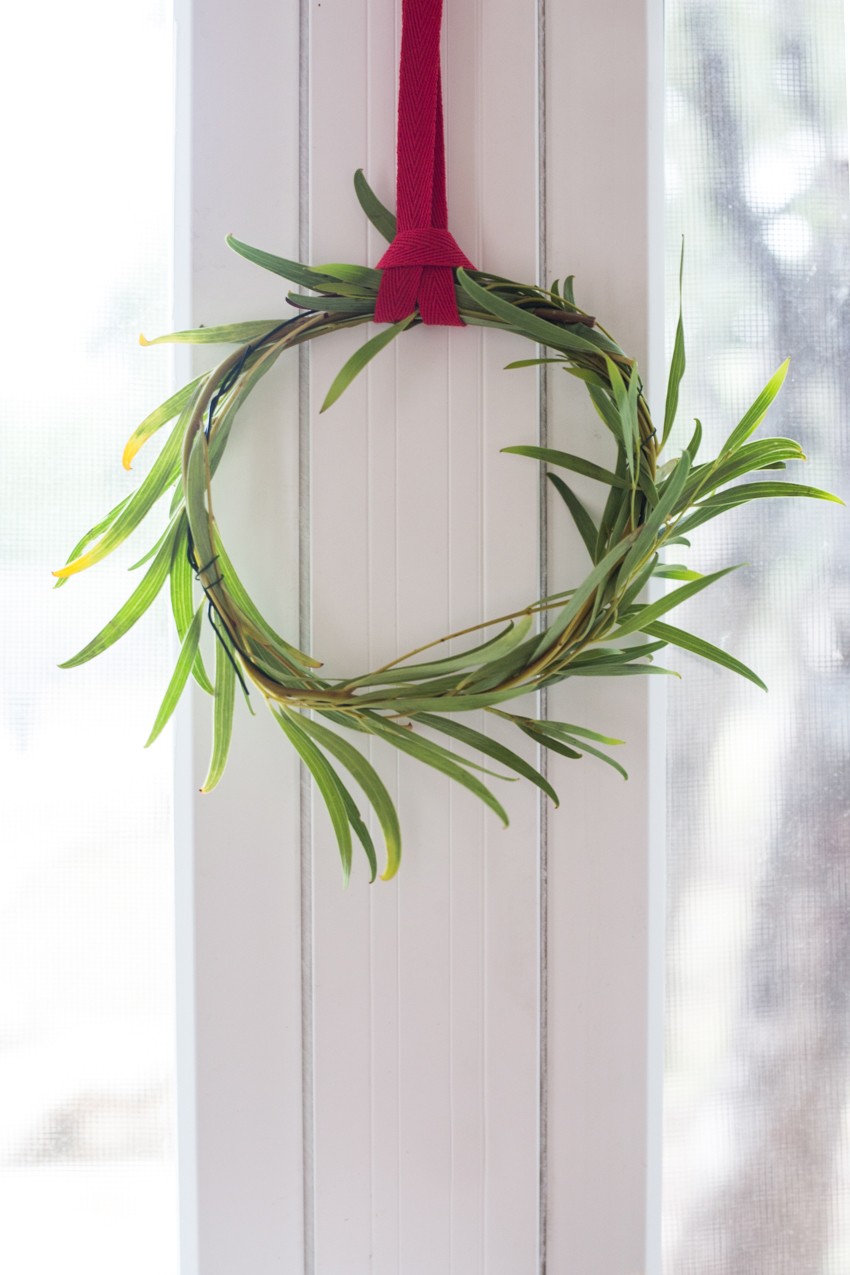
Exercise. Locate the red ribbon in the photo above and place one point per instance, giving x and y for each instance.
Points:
(418, 265)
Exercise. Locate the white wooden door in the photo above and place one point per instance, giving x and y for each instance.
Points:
(454, 1071)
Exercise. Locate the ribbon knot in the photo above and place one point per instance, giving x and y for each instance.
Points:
(417, 266)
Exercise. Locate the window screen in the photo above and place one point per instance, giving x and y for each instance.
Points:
(757, 1156)
(87, 1175)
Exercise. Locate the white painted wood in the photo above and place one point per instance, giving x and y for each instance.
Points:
(604, 187)
(425, 1001)
(421, 1152)
(239, 988)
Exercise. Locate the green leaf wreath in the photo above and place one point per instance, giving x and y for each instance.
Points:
(648, 507)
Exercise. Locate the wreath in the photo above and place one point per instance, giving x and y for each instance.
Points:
(648, 508)
(580, 632)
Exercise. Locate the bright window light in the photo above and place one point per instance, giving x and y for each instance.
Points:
(87, 1155)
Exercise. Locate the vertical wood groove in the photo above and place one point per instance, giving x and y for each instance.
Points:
(543, 589)
(305, 638)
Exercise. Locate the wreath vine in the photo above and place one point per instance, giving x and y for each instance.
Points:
(648, 507)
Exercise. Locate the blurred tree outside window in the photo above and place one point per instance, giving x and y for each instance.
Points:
(757, 1120)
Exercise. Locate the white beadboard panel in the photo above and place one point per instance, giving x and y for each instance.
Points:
(240, 1092)
(602, 134)
(425, 1013)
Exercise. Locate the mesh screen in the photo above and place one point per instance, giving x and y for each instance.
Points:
(87, 1177)
(757, 1156)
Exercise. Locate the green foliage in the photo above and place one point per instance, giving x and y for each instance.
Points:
(381, 218)
(648, 508)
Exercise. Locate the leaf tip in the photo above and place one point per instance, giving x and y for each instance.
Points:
(143, 340)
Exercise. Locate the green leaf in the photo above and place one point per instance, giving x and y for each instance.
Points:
(636, 584)
(724, 500)
(699, 646)
(234, 333)
(359, 828)
(369, 780)
(196, 508)
(587, 528)
(749, 457)
(363, 276)
(618, 500)
(423, 703)
(490, 748)
(381, 218)
(240, 596)
(225, 693)
(332, 305)
(136, 605)
(509, 367)
(161, 416)
(492, 675)
(93, 534)
(360, 358)
(626, 400)
(306, 276)
(668, 500)
(162, 474)
(645, 482)
(256, 367)
(564, 460)
(676, 571)
(763, 491)
(596, 752)
(549, 334)
(612, 655)
(754, 416)
(433, 755)
(693, 446)
(565, 728)
(597, 577)
(493, 649)
(591, 378)
(566, 734)
(604, 669)
(606, 410)
(182, 602)
(547, 741)
(327, 782)
(186, 659)
(677, 364)
(650, 613)
(150, 553)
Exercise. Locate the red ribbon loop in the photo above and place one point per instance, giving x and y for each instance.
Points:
(417, 266)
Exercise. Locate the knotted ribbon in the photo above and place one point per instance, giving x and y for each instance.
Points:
(417, 266)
